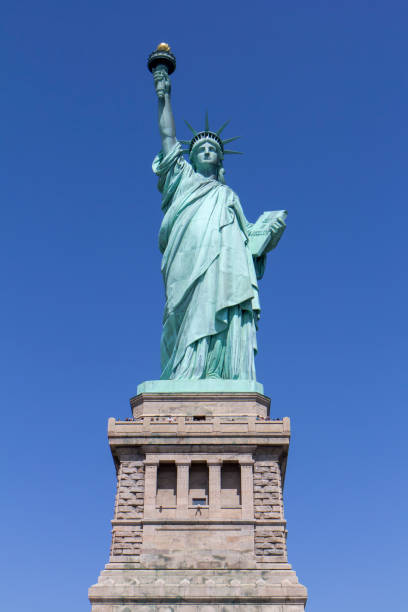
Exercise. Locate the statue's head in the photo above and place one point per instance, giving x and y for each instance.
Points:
(205, 154)
(206, 149)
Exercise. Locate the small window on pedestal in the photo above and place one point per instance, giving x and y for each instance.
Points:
(199, 501)
(166, 495)
(230, 485)
(198, 485)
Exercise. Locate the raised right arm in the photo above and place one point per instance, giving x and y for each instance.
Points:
(167, 126)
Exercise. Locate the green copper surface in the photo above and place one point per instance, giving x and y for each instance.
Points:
(212, 260)
(200, 386)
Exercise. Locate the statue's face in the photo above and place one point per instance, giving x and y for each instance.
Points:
(205, 155)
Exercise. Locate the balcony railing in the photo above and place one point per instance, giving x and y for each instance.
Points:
(190, 424)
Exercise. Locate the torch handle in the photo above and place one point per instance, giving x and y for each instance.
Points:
(160, 87)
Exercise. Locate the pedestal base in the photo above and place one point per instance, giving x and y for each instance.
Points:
(198, 590)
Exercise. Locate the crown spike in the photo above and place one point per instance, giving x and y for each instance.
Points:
(207, 125)
(223, 127)
(190, 127)
(227, 152)
(184, 142)
(185, 151)
(230, 139)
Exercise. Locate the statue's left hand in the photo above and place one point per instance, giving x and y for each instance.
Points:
(278, 226)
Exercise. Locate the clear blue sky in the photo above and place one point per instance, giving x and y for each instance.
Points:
(318, 92)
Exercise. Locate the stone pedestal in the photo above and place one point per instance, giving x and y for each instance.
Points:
(198, 522)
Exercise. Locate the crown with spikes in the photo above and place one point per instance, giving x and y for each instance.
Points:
(207, 134)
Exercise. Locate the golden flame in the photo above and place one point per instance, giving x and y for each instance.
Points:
(163, 47)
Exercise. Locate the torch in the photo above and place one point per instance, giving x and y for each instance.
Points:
(162, 58)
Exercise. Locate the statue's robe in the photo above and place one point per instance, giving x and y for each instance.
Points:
(209, 325)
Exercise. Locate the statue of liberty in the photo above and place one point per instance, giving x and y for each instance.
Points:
(212, 256)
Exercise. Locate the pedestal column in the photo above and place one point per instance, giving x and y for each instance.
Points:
(247, 489)
(182, 488)
(214, 486)
(150, 488)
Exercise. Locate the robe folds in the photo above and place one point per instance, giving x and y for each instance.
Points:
(212, 305)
